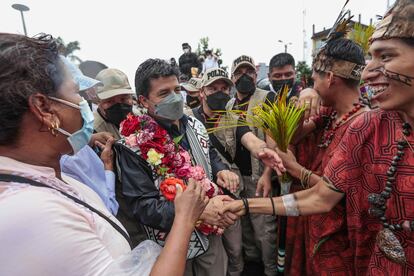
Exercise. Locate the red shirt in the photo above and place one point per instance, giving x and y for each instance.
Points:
(359, 168)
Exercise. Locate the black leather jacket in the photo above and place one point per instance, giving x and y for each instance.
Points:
(142, 198)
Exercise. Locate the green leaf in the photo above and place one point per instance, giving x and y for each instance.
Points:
(178, 139)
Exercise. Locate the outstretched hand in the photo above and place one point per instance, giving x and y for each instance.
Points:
(235, 207)
(288, 159)
(228, 180)
(310, 99)
(271, 159)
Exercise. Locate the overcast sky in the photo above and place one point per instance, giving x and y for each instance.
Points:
(122, 34)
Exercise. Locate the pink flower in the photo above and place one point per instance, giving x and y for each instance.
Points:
(148, 123)
(169, 147)
(183, 172)
(144, 136)
(197, 173)
(131, 140)
(185, 156)
(177, 160)
(205, 184)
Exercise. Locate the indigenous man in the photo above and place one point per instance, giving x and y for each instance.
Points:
(324, 237)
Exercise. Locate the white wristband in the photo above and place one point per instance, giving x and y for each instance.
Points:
(291, 206)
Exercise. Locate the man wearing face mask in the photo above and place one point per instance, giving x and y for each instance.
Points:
(192, 89)
(188, 60)
(115, 101)
(215, 90)
(158, 90)
(282, 72)
(259, 231)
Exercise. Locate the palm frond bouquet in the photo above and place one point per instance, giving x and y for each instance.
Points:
(279, 120)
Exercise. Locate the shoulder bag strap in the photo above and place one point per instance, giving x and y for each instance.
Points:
(21, 179)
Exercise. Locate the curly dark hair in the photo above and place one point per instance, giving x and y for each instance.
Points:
(27, 66)
(149, 70)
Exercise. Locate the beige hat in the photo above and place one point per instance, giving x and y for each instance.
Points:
(397, 23)
(114, 82)
(242, 60)
(193, 85)
(215, 74)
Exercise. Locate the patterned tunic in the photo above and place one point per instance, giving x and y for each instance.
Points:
(359, 169)
(320, 241)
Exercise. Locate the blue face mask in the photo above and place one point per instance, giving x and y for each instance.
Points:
(79, 138)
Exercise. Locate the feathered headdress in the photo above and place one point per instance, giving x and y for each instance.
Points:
(341, 26)
(342, 68)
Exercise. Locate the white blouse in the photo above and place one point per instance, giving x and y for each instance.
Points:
(42, 232)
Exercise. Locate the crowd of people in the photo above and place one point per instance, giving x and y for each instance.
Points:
(130, 182)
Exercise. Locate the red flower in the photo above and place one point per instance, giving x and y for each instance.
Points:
(145, 147)
(160, 134)
(183, 172)
(210, 192)
(129, 125)
(206, 229)
(168, 160)
(168, 189)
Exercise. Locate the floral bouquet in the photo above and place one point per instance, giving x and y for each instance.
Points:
(167, 158)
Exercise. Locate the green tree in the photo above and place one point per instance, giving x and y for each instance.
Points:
(203, 46)
(68, 49)
(304, 73)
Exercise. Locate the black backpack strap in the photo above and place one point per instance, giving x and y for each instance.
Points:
(220, 148)
(213, 139)
(21, 179)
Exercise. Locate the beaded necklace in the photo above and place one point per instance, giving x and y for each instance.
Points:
(386, 239)
(329, 131)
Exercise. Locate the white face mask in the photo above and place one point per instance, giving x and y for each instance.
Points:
(186, 50)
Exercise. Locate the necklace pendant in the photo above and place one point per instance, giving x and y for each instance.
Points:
(391, 246)
(376, 199)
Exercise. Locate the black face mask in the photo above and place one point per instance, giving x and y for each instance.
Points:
(218, 101)
(117, 113)
(245, 85)
(192, 102)
(278, 84)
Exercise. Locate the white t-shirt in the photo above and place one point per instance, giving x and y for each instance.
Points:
(210, 62)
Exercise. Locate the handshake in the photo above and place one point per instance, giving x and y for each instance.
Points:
(193, 206)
